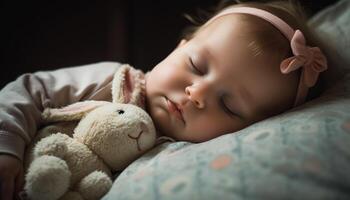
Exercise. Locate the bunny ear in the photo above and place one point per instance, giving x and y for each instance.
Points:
(72, 112)
(129, 86)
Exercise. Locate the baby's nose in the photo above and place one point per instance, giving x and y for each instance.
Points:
(196, 96)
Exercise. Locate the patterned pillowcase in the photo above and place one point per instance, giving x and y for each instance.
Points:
(301, 154)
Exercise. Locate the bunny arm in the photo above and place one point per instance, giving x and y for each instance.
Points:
(94, 185)
(54, 145)
(63, 127)
(48, 177)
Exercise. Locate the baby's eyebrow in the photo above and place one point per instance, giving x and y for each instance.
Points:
(204, 52)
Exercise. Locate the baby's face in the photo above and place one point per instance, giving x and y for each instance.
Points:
(212, 84)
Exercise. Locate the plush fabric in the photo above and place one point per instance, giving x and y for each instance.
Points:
(301, 154)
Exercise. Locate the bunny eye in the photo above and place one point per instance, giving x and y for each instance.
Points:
(120, 112)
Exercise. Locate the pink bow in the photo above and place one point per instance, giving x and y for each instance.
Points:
(311, 58)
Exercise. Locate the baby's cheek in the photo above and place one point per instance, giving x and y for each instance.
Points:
(160, 119)
(158, 115)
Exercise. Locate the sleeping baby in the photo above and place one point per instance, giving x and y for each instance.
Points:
(248, 62)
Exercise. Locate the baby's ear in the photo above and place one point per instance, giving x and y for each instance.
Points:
(72, 112)
(128, 86)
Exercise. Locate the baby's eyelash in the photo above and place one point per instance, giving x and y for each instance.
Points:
(227, 110)
(194, 67)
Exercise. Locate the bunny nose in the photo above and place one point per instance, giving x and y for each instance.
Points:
(143, 130)
(137, 138)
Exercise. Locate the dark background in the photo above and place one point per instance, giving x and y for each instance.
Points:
(44, 35)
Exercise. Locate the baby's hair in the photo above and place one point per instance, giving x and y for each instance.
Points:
(266, 38)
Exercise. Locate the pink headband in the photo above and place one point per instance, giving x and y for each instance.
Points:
(311, 59)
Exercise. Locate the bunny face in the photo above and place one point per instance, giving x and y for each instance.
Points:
(117, 133)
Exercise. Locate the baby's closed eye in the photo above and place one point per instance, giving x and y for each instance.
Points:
(194, 68)
(227, 109)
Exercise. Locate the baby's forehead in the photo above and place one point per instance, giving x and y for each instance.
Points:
(242, 24)
(245, 33)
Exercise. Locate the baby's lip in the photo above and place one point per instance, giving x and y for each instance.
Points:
(174, 109)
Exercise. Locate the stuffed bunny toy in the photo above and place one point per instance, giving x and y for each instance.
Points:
(108, 137)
